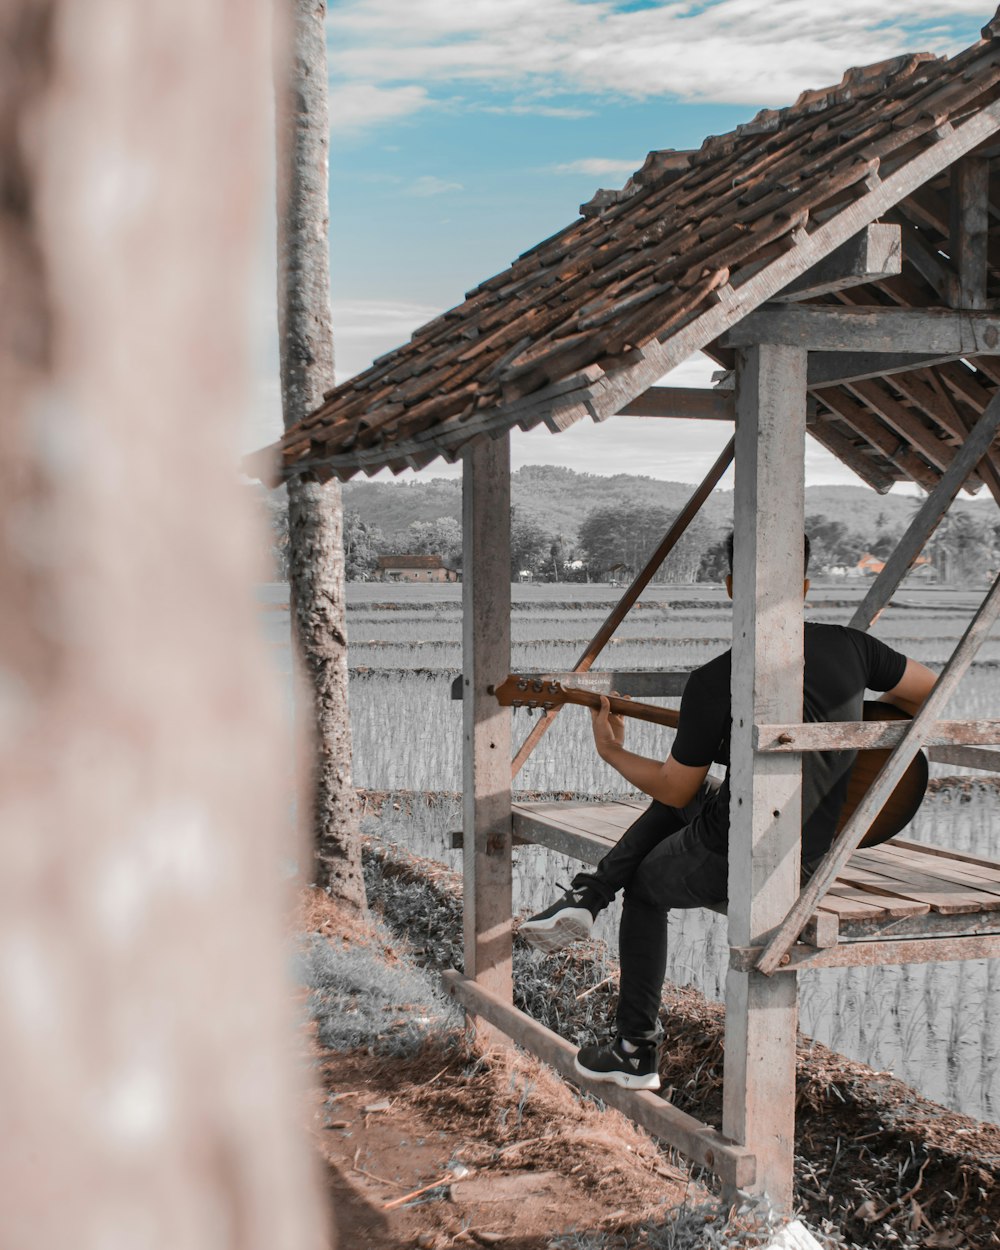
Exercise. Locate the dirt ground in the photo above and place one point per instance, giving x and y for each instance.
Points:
(457, 1147)
(496, 1166)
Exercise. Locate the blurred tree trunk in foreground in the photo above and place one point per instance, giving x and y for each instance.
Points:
(315, 512)
(150, 1091)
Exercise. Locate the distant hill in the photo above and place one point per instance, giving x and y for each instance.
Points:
(559, 499)
(393, 505)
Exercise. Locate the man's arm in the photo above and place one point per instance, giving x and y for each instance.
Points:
(913, 688)
(668, 781)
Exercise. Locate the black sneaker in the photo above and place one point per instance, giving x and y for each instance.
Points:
(568, 920)
(611, 1063)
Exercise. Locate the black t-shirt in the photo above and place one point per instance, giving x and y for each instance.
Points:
(840, 664)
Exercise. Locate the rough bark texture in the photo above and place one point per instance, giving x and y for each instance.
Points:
(150, 1091)
(315, 513)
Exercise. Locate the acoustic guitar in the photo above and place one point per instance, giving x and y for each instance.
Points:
(899, 810)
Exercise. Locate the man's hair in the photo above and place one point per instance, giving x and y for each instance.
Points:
(806, 549)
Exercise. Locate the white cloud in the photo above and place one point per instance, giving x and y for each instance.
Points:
(738, 51)
(598, 165)
(366, 329)
(428, 184)
(537, 110)
(357, 106)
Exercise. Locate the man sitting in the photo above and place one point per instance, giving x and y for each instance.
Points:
(676, 853)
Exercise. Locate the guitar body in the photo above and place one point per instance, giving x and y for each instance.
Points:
(902, 804)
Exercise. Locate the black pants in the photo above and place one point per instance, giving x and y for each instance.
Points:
(660, 863)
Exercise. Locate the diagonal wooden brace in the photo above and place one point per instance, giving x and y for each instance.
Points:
(849, 838)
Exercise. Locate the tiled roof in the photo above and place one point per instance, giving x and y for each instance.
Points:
(585, 321)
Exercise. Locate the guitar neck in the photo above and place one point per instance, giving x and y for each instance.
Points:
(621, 707)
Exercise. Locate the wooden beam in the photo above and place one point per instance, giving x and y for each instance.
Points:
(631, 596)
(838, 368)
(926, 521)
(486, 810)
(765, 815)
(966, 757)
(870, 954)
(686, 402)
(926, 392)
(917, 730)
(891, 445)
(989, 472)
(921, 252)
(860, 329)
(856, 458)
(962, 383)
(905, 422)
(970, 229)
(852, 735)
(965, 395)
(701, 1143)
(873, 253)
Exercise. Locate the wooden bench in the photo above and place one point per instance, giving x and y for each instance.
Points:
(901, 902)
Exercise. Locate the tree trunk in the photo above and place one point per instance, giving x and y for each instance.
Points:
(148, 1078)
(315, 513)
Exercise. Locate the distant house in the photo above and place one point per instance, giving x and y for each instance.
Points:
(869, 565)
(406, 568)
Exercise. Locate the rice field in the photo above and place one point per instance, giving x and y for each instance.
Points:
(936, 1026)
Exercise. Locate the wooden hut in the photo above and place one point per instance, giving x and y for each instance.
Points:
(414, 568)
(840, 259)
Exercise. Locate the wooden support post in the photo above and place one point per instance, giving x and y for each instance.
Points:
(926, 520)
(486, 814)
(970, 230)
(765, 818)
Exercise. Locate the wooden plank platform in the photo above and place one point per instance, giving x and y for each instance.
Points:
(901, 890)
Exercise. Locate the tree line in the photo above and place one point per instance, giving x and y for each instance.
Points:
(614, 542)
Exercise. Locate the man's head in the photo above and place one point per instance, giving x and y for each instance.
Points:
(730, 543)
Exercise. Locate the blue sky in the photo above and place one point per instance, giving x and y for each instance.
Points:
(465, 131)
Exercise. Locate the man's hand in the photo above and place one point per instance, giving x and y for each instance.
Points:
(609, 729)
(672, 783)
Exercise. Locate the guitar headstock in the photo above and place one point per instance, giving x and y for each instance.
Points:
(529, 692)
